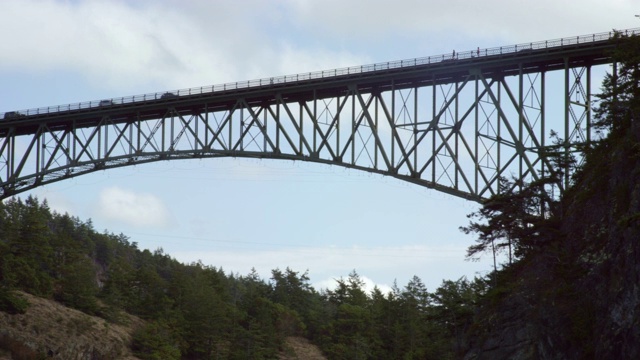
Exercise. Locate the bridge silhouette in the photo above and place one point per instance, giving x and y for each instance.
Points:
(456, 122)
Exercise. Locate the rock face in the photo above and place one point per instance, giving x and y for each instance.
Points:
(609, 244)
(50, 330)
(579, 297)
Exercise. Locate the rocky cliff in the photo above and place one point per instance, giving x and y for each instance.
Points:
(579, 296)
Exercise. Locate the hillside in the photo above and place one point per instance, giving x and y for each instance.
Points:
(49, 329)
(195, 311)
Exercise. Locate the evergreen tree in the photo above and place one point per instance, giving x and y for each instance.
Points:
(517, 220)
(156, 341)
(350, 329)
(619, 101)
(452, 310)
(205, 319)
(28, 264)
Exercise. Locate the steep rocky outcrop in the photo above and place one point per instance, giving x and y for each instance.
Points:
(604, 221)
(579, 296)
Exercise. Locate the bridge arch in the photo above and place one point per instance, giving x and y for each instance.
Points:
(454, 123)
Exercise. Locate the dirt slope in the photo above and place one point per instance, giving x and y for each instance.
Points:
(298, 348)
(51, 330)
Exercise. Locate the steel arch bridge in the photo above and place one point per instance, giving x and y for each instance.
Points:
(456, 123)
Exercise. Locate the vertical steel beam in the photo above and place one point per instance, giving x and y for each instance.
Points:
(353, 127)
(301, 126)
(39, 156)
(476, 134)
(521, 118)
(338, 127)
(497, 102)
(377, 145)
(432, 125)
(316, 125)
(394, 127)
(588, 104)
(567, 109)
(456, 123)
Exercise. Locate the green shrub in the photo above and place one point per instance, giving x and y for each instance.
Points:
(155, 342)
(12, 303)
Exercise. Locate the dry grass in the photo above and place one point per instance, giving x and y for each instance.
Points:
(298, 348)
(52, 330)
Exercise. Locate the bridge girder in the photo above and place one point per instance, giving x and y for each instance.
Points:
(459, 138)
(455, 125)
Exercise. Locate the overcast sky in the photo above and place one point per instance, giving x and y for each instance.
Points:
(238, 213)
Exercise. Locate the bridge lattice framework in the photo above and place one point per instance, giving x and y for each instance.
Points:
(456, 123)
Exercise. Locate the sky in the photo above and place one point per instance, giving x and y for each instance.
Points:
(239, 214)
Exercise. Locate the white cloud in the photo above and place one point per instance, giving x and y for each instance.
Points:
(126, 48)
(136, 209)
(155, 45)
(510, 20)
(109, 42)
(332, 283)
(295, 60)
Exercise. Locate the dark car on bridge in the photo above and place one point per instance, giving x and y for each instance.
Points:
(168, 95)
(10, 115)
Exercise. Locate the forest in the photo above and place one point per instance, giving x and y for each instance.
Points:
(533, 306)
(195, 311)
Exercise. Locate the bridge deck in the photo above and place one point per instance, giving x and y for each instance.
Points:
(496, 62)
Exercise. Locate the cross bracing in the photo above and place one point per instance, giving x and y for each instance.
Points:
(454, 123)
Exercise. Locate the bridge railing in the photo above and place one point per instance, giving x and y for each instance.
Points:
(353, 70)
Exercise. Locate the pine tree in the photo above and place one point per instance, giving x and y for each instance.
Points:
(619, 102)
(28, 264)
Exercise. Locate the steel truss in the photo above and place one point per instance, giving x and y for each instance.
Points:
(458, 137)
